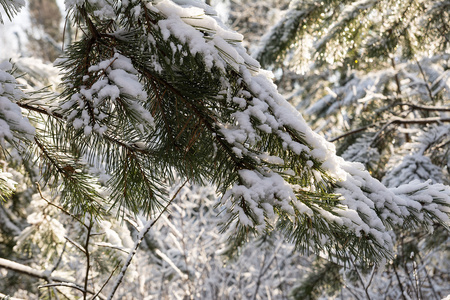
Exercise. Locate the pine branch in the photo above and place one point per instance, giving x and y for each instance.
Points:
(11, 8)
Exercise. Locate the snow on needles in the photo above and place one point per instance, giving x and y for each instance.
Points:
(11, 119)
(368, 206)
(308, 164)
(112, 82)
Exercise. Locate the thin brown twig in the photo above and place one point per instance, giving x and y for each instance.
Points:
(66, 284)
(57, 206)
(392, 122)
(79, 247)
(352, 132)
(141, 236)
(106, 282)
(423, 107)
(88, 261)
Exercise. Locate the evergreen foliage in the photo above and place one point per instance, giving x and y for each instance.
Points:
(152, 90)
(373, 78)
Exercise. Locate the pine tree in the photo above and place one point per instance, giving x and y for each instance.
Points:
(373, 78)
(157, 89)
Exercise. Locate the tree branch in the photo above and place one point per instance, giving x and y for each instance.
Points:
(59, 207)
(430, 94)
(423, 107)
(410, 121)
(66, 284)
(88, 261)
(39, 109)
(352, 132)
(399, 121)
(106, 282)
(140, 237)
(46, 274)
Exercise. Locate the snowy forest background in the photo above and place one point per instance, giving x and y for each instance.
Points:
(372, 77)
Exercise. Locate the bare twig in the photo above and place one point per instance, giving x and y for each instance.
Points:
(60, 258)
(265, 267)
(352, 132)
(185, 257)
(111, 246)
(399, 281)
(424, 107)
(66, 284)
(106, 282)
(78, 246)
(387, 289)
(59, 207)
(399, 121)
(428, 277)
(139, 239)
(258, 281)
(88, 261)
(372, 274)
(364, 283)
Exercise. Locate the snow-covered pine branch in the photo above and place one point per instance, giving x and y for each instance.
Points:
(207, 100)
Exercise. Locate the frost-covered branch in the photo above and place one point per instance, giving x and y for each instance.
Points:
(46, 274)
(409, 121)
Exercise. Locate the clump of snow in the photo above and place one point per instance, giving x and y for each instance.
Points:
(116, 83)
(6, 180)
(12, 123)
